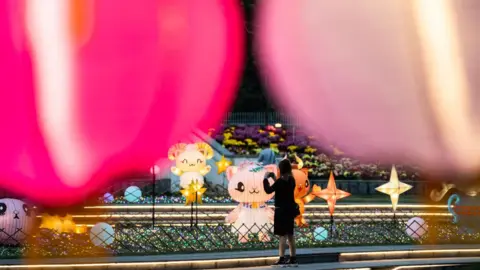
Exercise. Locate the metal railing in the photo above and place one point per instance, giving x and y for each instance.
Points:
(176, 228)
(260, 118)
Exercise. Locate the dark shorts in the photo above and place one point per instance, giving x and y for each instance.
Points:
(283, 223)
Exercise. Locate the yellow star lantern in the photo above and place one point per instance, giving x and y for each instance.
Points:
(223, 164)
(394, 188)
(193, 193)
(331, 194)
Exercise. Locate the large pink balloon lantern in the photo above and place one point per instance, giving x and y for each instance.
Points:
(91, 89)
(390, 79)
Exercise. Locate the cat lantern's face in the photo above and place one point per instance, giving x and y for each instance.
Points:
(246, 182)
(302, 184)
(191, 157)
(191, 160)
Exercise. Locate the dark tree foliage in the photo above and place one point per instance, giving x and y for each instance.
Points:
(251, 95)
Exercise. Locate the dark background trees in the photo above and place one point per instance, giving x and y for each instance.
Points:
(251, 94)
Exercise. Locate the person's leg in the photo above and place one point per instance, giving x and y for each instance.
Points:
(292, 246)
(293, 251)
(281, 251)
(282, 246)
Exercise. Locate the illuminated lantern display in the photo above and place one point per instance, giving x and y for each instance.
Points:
(465, 211)
(108, 198)
(406, 90)
(416, 227)
(394, 188)
(194, 193)
(320, 234)
(302, 188)
(16, 221)
(102, 234)
(223, 164)
(190, 162)
(101, 93)
(252, 215)
(133, 194)
(59, 224)
(331, 194)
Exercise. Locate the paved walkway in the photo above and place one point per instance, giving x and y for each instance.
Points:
(408, 264)
(233, 254)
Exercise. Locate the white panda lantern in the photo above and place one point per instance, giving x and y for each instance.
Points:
(16, 221)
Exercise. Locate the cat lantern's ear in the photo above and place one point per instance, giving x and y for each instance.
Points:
(272, 168)
(231, 171)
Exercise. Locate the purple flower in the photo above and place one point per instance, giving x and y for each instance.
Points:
(239, 131)
(301, 144)
(263, 141)
(283, 146)
(256, 136)
(274, 139)
(239, 137)
(219, 138)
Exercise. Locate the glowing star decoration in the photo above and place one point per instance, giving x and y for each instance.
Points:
(223, 164)
(92, 103)
(190, 162)
(193, 193)
(331, 194)
(188, 195)
(394, 188)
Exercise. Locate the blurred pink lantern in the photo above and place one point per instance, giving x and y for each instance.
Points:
(391, 79)
(93, 89)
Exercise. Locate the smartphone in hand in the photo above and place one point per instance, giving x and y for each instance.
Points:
(269, 175)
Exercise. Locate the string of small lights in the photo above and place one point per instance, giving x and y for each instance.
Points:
(164, 199)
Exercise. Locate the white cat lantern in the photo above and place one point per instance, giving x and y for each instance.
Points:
(252, 215)
(190, 162)
(16, 221)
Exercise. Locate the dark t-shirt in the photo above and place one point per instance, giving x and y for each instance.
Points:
(284, 188)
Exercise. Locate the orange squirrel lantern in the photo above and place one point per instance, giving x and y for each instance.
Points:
(302, 187)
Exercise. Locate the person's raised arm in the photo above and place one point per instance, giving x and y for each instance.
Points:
(269, 189)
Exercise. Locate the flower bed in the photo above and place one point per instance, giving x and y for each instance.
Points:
(248, 141)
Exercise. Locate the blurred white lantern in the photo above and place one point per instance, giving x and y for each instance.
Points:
(416, 227)
(16, 221)
(102, 234)
(133, 194)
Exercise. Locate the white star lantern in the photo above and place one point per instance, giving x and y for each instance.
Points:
(394, 188)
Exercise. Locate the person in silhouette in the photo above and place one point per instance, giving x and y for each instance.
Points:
(285, 210)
